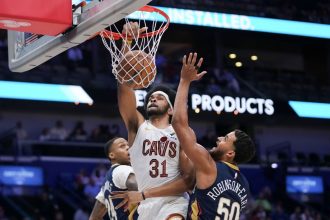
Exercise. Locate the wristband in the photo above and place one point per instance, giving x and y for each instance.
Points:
(143, 196)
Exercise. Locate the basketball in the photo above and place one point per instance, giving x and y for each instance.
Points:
(137, 69)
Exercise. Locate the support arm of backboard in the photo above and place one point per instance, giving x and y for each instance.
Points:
(90, 22)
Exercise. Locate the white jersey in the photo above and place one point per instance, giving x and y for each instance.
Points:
(155, 156)
(155, 160)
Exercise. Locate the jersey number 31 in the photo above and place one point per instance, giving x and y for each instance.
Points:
(157, 169)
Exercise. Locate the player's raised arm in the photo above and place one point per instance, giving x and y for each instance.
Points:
(197, 154)
(126, 96)
(128, 111)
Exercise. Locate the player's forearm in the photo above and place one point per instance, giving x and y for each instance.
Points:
(173, 188)
(126, 103)
(98, 211)
(126, 95)
(180, 114)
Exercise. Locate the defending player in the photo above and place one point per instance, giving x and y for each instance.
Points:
(120, 177)
(221, 190)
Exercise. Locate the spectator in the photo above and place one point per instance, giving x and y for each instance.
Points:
(81, 213)
(45, 135)
(91, 190)
(263, 200)
(100, 134)
(58, 215)
(97, 178)
(58, 132)
(297, 215)
(78, 133)
(102, 169)
(81, 180)
(115, 131)
(95, 135)
(278, 213)
(21, 133)
(47, 205)
(259, 213)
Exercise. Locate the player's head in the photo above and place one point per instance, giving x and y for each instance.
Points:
(236, 147)
(159, 101)
(116, 150)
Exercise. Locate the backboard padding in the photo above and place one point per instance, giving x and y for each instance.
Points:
(90, 22)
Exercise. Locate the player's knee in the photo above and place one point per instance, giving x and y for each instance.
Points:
(175, 216)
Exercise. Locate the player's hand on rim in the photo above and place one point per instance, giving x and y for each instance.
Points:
(132, 30)
(190, 69)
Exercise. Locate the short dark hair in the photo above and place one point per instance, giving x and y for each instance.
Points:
(244, 147)
(108, 145)
(170, 92)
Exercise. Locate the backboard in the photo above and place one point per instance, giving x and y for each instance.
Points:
(26, 51)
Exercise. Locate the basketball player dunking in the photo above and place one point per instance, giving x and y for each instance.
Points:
(156, 156)
(221, 190)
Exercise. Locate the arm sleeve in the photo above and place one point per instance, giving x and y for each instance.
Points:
(120, 175)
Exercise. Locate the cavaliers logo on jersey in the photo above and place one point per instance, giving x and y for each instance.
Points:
(163, 147)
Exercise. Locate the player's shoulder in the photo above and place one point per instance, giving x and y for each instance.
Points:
(123, 169)
(221, 165)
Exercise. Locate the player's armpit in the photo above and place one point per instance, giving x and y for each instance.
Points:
(187, 170)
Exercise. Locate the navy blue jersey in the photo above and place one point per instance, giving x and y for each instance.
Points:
(108, 187)
(224, 199)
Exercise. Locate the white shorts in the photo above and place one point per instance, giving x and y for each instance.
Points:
(161, 208)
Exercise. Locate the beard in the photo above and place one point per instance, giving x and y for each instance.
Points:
(157, 112)
(216, 154)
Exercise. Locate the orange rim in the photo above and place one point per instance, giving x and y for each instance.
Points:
(147, 8)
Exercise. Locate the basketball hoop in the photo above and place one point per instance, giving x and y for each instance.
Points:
(139, 69)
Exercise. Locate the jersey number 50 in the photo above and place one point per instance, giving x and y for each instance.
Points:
(227, 210)
(154, 168)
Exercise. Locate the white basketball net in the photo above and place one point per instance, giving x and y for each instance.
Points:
(147, 42)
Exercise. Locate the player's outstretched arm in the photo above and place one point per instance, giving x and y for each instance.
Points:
(128, 111)
(126, 96)
(196, 153)
(176, 187)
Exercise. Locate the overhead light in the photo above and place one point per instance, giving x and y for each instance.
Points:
(44, 92)
(232, 56)
(238, 64)
(197, 110)
(274, 165)
(254, 57)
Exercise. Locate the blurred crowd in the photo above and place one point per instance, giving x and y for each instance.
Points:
(59, 132)
(84, 186)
